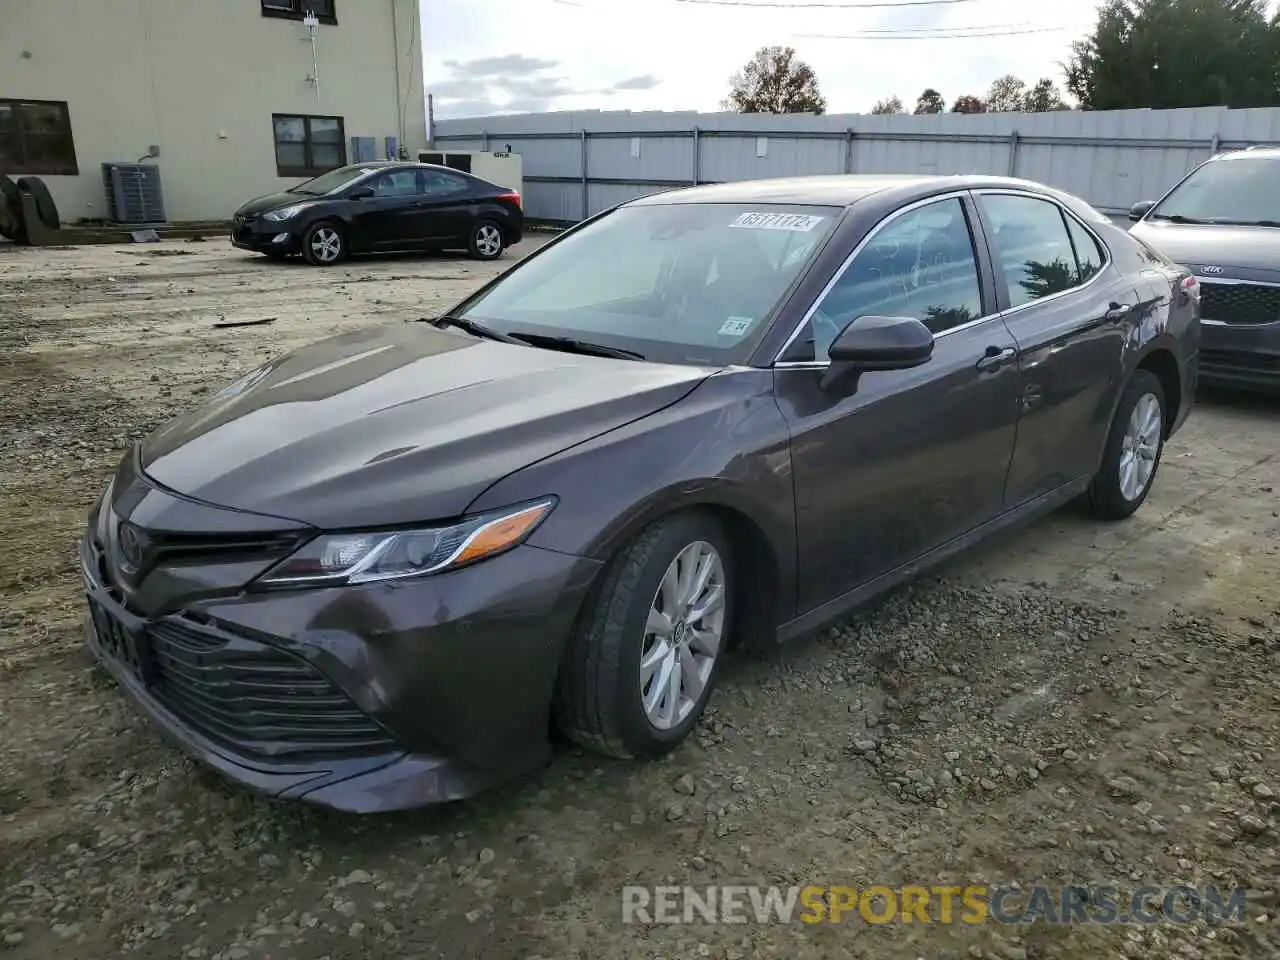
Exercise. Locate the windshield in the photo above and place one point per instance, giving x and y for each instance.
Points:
(676, 283)
(1235, 191)
(331, 181)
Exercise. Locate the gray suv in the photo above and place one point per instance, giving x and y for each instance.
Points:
(1222, 222)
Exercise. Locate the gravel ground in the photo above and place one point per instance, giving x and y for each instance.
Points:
(1072, 703)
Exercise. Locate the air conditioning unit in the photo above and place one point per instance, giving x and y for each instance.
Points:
(133, 192)
(504, 169)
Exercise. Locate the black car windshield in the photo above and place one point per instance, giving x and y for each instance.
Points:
(677, 283)
(1236, 191)
(331, 181)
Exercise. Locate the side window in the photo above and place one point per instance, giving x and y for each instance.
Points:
(919, 264)
(437, 183)
(398, 183)
(1031, 247)
(1090, 256)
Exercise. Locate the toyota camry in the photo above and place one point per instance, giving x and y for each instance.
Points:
(383, 571)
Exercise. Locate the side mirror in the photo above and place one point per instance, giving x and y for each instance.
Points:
(1139, 209)
(876, 343)
(362, 193)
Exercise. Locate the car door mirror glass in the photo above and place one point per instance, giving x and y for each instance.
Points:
(362, 193)
(1140, 209)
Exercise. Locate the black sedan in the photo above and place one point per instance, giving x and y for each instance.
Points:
(372, 573)
(382, 206)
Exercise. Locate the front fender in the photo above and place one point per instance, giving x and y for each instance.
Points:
(725, 446)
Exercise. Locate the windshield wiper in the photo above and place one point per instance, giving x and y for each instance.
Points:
(573, 345)
(1176, 218)
(471, 327)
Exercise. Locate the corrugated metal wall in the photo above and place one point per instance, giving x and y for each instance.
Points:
(579, 163)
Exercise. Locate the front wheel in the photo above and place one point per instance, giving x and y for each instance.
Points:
(641, 665)
(487, 241)
(324, 244)
(1134, 446)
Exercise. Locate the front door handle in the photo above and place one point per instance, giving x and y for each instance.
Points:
(995, 358)
(1118, 311)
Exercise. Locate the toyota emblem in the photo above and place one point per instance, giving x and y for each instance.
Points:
(130, 546)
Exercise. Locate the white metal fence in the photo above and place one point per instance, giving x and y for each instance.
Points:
(578, 163)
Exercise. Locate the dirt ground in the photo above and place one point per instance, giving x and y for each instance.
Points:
(1072, 703)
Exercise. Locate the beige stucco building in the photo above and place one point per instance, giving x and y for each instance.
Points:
(241, 97)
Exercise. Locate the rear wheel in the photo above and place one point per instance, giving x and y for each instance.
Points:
(642, 663)
(487, 241)
(324, 244)
(1134, 446)
(45, 207)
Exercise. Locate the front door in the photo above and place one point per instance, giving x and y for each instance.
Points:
(912, 458)
(386, 221)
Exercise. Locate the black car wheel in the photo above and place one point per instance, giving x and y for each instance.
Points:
(324, 244)
(487, 241)
(642, 663)
(1132, 455)
(46, 209)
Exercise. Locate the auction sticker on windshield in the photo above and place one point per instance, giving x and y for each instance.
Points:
(796, 222)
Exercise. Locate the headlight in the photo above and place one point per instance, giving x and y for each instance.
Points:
(347, 558)
(285, 213)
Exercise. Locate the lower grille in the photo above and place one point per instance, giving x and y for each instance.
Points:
(1240, 304)
(256, 699)
(1240, 360)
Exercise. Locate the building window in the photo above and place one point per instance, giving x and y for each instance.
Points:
(308, 146)
(325, 10)
(35, 137)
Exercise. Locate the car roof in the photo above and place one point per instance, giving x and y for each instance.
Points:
(402, 164)
(1251, 153)
(841, 190)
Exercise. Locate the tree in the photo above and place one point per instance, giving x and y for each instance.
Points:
(930, 102)
(968, 104)
(1177, 53)
(1043, 97)
(1007, 95)
(774, 81)
(892, 105)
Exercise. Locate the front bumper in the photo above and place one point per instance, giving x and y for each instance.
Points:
(265, 236)
(362, 699)
(1240, 356)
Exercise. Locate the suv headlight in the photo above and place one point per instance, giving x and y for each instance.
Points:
(349, 558)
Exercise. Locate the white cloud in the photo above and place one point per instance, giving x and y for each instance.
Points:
(518, 55)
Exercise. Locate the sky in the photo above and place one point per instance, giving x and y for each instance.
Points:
(485, 57)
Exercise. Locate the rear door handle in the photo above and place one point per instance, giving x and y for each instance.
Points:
(1118, 311)
(995, 358)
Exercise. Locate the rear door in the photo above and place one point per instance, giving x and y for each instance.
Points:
(443, 209)
(912, 458)
(1070, 310)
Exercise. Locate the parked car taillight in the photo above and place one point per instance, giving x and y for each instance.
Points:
(513, 196)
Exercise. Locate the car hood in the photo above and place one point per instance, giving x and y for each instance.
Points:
(272, 201)
(1196, 245)
(397, 424)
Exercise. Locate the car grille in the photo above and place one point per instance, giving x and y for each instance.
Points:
(1240, 304)
(255, 698)
(1240, 360)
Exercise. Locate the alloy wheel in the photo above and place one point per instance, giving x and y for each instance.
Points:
(488, 240)
(682, 636)
(326, 244)
(1140, 446)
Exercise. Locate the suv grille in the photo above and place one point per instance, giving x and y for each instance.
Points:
(255, 698)
(1239, 304)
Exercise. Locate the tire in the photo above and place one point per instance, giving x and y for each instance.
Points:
(487, 241)
(599, 701)
(45, 207)
(318, 244)
(1109, 496)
